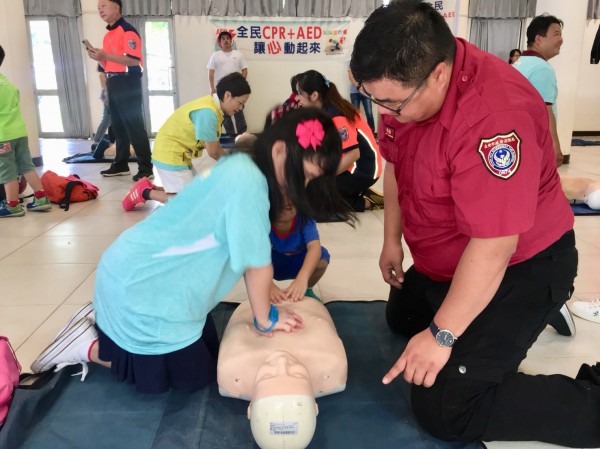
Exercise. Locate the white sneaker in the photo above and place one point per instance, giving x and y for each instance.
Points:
(69, 348)
(86, 311)
(588, 310)
(562, 322)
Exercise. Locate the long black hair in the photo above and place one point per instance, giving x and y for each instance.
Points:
(313, 81)
(320, 199)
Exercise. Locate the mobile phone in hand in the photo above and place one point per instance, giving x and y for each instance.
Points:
(87, 44)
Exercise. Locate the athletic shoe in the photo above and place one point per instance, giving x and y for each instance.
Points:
(70, 348)
(114, 171)
(86, 311)
(588, 310)
(141, 175)
(9, 211)
(374, 197)
(134, 196)
(39, 204)
(562, 322)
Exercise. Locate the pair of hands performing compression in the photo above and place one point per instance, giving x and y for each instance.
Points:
(423, 358)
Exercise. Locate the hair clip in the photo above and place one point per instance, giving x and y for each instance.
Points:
(310, 133)
(327, 82)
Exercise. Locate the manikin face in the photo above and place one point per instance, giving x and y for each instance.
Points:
(282, 374)
(232, 105)
(226, 44)
(549, 46)
(108, 11)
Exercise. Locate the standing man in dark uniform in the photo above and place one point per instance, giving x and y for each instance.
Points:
(471, 184)
(121, 58)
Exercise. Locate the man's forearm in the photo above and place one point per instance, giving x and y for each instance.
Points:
(392, 222)
(477, 277)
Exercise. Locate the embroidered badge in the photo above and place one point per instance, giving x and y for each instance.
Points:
(5, 147)
(132, 43)
(501, 154)
(343, 133)
(390, 132)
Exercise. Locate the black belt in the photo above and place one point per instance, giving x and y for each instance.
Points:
(112, 74)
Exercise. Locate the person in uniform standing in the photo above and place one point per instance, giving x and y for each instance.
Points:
(471, 184)
(121, 58)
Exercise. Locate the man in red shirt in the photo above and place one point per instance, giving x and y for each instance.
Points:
(121, 59)
(471, 184)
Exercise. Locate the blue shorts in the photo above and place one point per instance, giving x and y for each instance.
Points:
(288, 266)
(189, 368)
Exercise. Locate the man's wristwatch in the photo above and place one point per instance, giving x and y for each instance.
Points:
(443, 337)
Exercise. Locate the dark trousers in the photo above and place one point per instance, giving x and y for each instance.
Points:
(125, 104)
(479, 395)
(240, 123)
(351, 187)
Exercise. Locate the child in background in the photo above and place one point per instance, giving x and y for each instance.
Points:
(157, 283)
(193, 127)
(15, 157)
(296, 254)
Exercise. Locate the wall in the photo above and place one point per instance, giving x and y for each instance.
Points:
(587, 112)
(17, 66)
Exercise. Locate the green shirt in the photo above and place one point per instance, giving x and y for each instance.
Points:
(12, 125)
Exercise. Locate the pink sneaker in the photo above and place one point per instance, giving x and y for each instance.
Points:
(134, 196)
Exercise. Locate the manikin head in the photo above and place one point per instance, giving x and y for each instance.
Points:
(283, 411)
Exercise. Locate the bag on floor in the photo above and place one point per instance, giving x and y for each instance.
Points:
(9, 376)
(65, 190)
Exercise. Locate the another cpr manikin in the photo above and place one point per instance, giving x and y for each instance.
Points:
(582, 189)
(282, 375)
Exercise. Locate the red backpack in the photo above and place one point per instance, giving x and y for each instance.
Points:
(67, 189)
(9, 376)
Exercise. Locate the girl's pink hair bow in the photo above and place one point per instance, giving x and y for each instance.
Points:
(310, 133)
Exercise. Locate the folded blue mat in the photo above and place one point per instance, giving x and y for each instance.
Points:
(102, 413)
(583, 209)
(584, 143)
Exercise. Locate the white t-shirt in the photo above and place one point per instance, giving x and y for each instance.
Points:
(225, 63)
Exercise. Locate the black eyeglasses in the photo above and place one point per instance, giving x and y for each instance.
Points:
(364, 93)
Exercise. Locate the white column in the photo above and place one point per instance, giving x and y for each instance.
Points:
(17, 65)
(568, 63)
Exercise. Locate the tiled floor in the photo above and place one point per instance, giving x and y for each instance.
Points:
(48, 261)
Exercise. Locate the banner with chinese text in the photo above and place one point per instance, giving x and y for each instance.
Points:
(284, 39)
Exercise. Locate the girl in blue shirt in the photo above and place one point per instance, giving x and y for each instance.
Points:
(157, 283)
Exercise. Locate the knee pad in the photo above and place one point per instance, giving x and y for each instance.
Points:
(593, 200)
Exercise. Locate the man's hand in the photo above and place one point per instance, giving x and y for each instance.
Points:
(421, 361)
(97, 54)
(390, 264)
(559, 157)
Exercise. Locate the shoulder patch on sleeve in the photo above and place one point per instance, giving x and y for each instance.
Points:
(343, 133)
(501, 154)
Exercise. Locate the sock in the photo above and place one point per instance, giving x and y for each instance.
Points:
(39, 194)
(146, 194)
(309, 292)
(13, 203)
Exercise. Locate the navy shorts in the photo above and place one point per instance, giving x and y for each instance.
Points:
(190, 368)
(287, 266)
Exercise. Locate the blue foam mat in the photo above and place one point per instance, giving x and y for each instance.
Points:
(583, 209)
(102, 413)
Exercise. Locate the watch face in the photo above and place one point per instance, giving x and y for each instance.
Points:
(445, 338)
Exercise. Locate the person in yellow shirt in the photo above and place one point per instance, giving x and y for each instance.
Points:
(184, 136)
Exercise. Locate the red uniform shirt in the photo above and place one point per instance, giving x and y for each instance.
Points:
(122, 39)
(482, 167)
